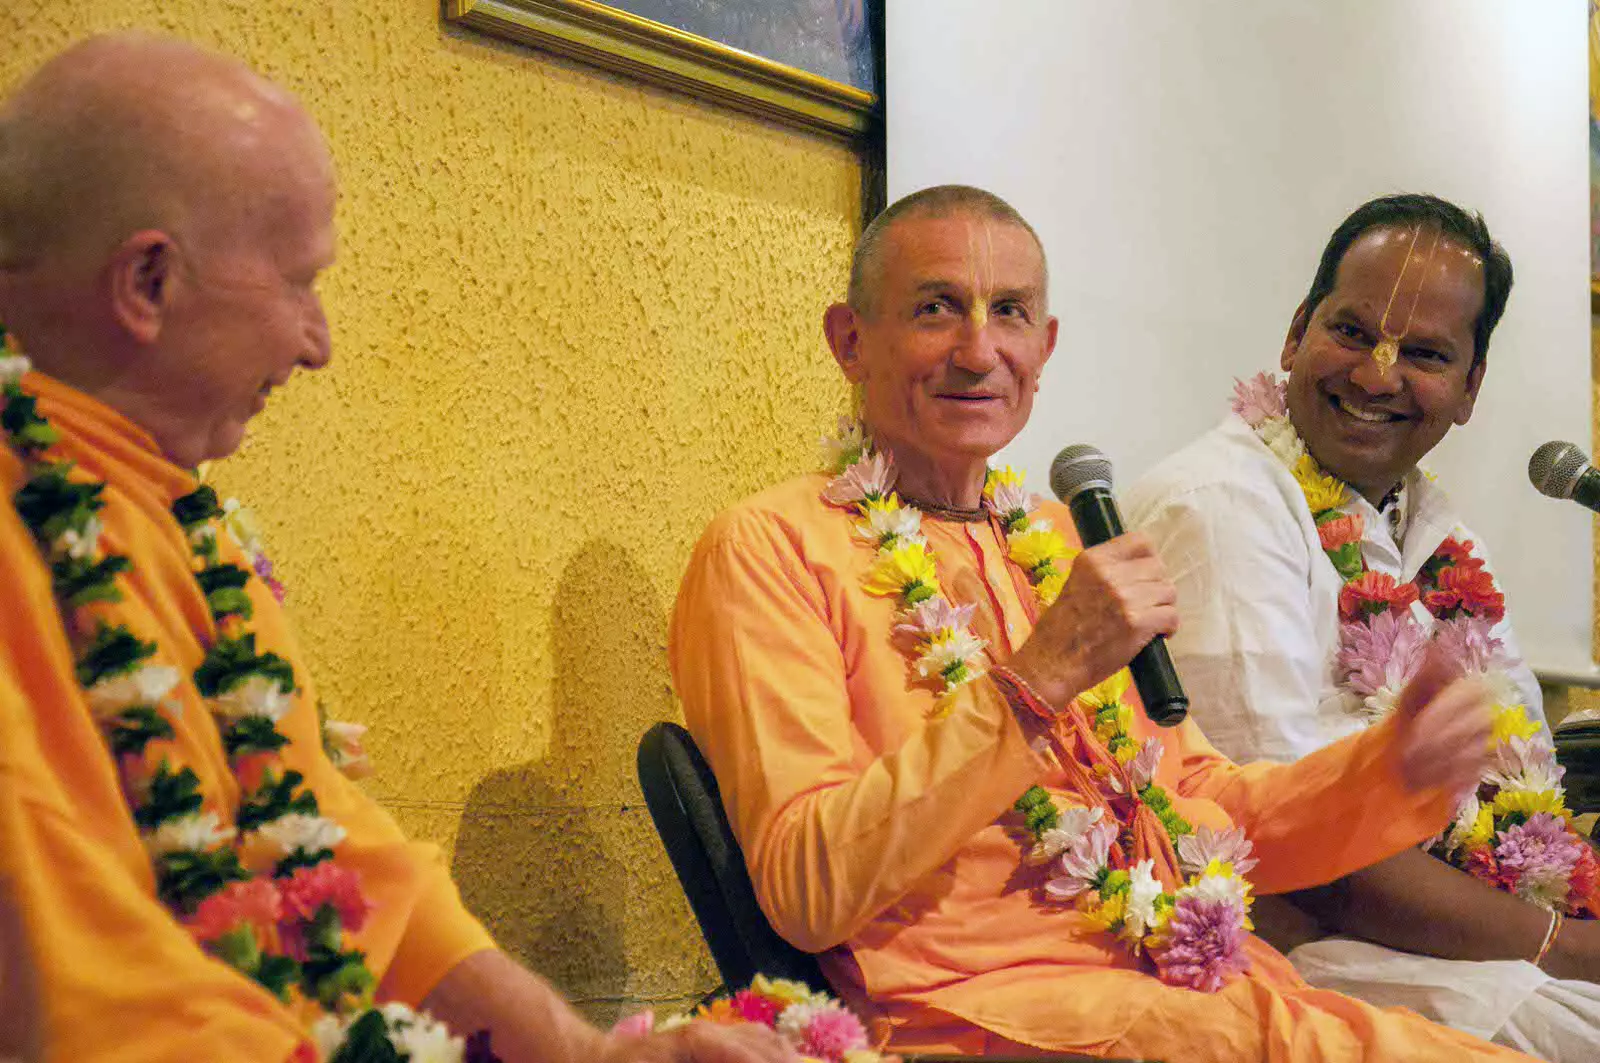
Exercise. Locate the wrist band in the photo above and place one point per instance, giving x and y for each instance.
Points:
(1549, 939)
(1019, 694)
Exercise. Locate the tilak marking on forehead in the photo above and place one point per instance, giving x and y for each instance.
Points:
(981, 289)
(1387, 350)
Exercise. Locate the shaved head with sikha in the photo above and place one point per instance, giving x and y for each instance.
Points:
(164, 214)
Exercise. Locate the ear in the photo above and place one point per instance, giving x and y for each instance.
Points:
(1051, 327)
(141, 275)
(842, 326)
(1297, 332)
(1470, 400)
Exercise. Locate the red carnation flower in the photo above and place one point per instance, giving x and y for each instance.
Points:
(254, 903)
(312, 888)
(1372, 593)
(756, 1008)
(1453, 551)
(1585, 891)
(1470, 589)
(1341, 531)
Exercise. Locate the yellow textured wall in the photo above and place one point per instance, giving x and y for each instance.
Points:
(572, 318)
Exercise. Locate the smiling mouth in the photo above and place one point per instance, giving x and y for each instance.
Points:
(1366, 416)
(964, 397)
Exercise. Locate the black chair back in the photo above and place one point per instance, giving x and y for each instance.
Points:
(686, 806)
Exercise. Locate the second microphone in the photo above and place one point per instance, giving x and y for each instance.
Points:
(1081, 477)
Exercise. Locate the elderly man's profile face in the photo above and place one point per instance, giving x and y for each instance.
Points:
(1366, 426)
(246, 315)
(949, 355)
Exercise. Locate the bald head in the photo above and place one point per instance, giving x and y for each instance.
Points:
(133, 131)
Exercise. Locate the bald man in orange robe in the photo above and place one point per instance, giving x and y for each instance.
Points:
(164, 215)
(876, 815)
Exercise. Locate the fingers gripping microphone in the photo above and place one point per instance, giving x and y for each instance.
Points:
(1081, 477)
(1561, 470)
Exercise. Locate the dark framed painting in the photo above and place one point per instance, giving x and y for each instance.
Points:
(812, 63)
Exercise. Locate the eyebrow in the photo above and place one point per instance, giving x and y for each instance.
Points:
(1348, 312)
(945, 285)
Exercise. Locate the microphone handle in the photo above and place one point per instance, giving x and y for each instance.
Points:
(1586, 492)
(1094, 512)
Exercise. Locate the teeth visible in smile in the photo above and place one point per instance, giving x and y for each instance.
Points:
(1370, 416)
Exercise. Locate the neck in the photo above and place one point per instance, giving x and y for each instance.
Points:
(952, 485)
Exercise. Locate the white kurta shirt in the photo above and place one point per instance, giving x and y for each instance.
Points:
(1256, 649)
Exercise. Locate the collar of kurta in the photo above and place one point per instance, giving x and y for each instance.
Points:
(101, 439)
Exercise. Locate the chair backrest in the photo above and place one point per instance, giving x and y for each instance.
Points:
(686, 805)
(1578, 750)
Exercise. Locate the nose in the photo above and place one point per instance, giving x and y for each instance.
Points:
(1373, 378)
(976, 351)
(319, 346)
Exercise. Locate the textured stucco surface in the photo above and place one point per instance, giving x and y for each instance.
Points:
(573, 317)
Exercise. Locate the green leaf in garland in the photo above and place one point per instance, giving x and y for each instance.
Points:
(112, 651)
(185, 878)
(367, 1041)
(136, 728)
(275, 798)
(252, 734)
(277, 974)
(172, 795)
(79, 581)
(229, 601)
(196, 507)
(21, 421)
(298, 859)
(50, 503)
(329, 977)
(232, 661)
(238, 949)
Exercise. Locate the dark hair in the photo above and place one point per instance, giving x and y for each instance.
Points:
(940, 201)
(1411, 209)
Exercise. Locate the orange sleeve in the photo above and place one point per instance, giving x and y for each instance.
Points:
(117, 977)
(833, 833)
(1327, 814)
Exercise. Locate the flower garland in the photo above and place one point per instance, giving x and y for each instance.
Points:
(1195, 935)
(815, 1025)
(266, 895)
(1514, 831)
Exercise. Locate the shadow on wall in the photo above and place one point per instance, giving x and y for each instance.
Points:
(559, 857)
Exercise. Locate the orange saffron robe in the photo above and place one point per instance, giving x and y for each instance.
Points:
(883, 838)
(118, 977)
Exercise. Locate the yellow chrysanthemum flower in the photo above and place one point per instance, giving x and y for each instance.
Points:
(1033, 547)
(1106, 914)
(1048, 589)
(1511, 721)
(1126, 752)
(902, 569)
(1482, 832)
(1322, 492)
(784, 989)
(1005, 475)
(1529, 802)
(1107, 692)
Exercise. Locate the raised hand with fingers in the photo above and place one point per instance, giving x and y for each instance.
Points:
(1445, 725)
(1117, 598)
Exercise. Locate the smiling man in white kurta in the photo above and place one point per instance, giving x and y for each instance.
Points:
(1386, 354)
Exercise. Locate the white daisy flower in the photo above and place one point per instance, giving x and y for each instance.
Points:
(1010, 497)
(297, 832)
(1144, 889)
(903, 523)
(421, 1039)
(195, 833)
(1071, 824)
(256, 696)
(143, 686)
(959, 645)
(12, 367)
(79, 545)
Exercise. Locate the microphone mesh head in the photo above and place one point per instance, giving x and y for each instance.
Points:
(1078, 467)
(1555, 467)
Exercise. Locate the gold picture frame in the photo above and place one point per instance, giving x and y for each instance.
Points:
(618, 40)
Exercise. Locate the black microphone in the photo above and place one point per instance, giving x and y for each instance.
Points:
(1081, 477)
(1561, 470)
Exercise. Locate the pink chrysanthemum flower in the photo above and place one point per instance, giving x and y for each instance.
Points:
(1470, 642)
(254, 903)
(1083, 862)
(1378, 657)
(326, 883)
(928, 618)
(822, 1031)
(1142, 768)
(1524, 764)
(263, 568)
(1203, 943)
(754, 1007)
(1197, 850)
(871, 477)
(1260, 397)
(1539, 857)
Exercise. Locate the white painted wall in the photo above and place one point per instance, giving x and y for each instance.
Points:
(1185, 162)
